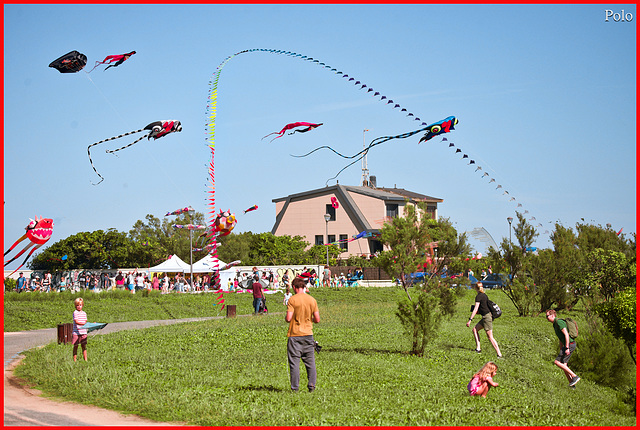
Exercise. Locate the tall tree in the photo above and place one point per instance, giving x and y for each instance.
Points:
(89, 250)
(160, 238)
(519, 286)
(408, 239)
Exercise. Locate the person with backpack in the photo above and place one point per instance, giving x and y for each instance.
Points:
(482, 307)
(566, 330)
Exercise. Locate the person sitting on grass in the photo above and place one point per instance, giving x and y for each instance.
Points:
(482, 381)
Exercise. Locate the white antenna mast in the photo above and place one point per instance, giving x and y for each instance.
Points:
(365, 169)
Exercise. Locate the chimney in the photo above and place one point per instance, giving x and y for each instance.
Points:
(372, 181)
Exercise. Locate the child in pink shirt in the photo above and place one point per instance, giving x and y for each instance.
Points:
(482, 381)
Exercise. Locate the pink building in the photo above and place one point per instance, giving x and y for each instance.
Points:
(360, 209)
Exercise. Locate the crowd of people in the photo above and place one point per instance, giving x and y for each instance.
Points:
(137, 280)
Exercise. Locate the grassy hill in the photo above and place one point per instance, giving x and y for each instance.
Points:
(234, 371)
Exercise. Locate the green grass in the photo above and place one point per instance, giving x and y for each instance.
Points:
(234, 371)
(32, 311)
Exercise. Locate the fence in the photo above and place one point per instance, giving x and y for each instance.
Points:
(370, 273)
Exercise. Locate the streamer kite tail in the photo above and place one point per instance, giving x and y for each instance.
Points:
(280, 133)
(110, 139)
(115, 59)
(304, 130)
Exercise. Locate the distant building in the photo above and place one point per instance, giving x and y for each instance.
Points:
(360, 209)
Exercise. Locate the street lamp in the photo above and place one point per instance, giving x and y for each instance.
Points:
(509, 219)
(327, 217)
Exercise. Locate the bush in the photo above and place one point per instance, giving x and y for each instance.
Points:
(9, 284)
(603, 359)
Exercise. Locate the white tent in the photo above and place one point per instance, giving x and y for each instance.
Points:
(207, 264)
(172, 265)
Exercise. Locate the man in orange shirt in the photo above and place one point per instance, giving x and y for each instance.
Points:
(302, 312)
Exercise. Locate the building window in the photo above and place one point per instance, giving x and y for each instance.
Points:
(343, 242)
(331, 211)
(319, 239)
(331, 238)
(392, 210)
(376, 246)
(431, 210)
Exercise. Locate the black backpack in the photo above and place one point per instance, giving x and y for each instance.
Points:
(495, 310)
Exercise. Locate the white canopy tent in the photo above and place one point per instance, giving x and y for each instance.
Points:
(172, 265)
(208, 264)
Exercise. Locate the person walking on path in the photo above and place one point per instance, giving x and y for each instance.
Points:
(486, 323)
(567, 346)
(79, 336)
(302, 312)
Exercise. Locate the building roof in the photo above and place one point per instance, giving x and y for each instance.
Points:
(380, 193)
(360, 222)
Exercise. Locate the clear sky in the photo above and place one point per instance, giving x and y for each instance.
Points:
(545, 96)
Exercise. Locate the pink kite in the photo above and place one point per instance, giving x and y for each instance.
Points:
(180, 211)
(190, 226)
(118, 59)
(38, 233)
(308, 125)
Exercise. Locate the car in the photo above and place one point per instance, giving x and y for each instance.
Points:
(493, 280)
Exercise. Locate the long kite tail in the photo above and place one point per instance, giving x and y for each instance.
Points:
(25, 260)
(108, 58)
(20, 253)
(126, 146)
(326, 147)
(24, 236)
(213, 99)
(107, 140)
(374, 142)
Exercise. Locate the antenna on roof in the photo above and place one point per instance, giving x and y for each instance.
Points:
(365, 169)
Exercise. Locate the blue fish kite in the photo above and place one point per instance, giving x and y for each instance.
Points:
(439, 127)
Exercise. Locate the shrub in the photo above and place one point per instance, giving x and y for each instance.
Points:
(603, 359)
(9, 284)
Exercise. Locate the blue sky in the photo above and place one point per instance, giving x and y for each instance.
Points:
(545, 96)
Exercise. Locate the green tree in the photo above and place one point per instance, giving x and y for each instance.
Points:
(268, 249)
(519, 289)
(160, 238)
(619, 315)
(89, 250)
(606, 273)
(235, 246)
(408, 238)
(317, 254)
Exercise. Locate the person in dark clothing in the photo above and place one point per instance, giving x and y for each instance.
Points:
(258, 296)
(482, 307)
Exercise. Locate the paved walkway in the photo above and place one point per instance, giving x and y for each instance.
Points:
(26, 407)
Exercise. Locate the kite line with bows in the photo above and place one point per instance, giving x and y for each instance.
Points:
(211, 112)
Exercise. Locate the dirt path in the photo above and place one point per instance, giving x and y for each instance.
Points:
(24, 406)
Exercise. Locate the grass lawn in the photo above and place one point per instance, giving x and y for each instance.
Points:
(234, 371)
